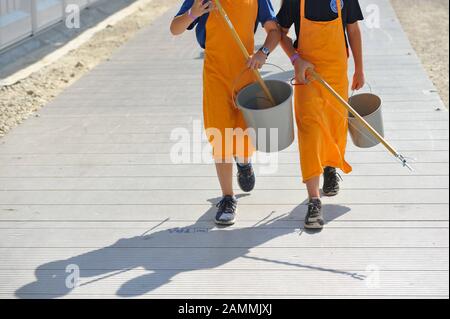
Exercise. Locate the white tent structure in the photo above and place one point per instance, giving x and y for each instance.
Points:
(23, 18)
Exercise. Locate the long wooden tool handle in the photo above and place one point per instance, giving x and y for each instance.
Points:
(354, 113)
(244, 50)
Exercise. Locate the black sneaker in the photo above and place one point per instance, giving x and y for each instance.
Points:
(331, 181)
(314, 217)
(246, 177)
(226, 213)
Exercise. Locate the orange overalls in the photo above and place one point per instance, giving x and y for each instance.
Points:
(224, 63)
(322, 122)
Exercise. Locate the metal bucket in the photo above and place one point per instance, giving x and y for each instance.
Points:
(367, 105)
(273, 125)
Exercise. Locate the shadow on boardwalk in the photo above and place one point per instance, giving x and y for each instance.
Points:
(131, 253)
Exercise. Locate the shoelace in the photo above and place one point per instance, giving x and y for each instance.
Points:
(246, 170)
(334, 179)
(226, 204)
(314, 208)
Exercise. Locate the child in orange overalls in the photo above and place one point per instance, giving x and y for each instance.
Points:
(322, 27)
(223, 64)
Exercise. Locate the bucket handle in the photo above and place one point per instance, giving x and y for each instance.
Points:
(236, 81)
(292, 81)
(368, 84)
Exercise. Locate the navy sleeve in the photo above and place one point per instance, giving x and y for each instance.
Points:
(265, 12)
(287, 13)
(185, 7)
(354, 12)
(187, 4)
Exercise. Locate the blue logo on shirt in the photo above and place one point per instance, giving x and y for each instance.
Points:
(333, 5)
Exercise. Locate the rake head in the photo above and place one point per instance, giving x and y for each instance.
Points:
(404, 161)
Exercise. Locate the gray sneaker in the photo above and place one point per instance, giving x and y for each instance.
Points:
(226, 213)
(314, 217)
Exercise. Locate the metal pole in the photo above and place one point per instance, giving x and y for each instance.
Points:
(244, 50)
(380, 138)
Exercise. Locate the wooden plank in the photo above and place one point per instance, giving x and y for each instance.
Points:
(217, 238)
(116, 109)
(165, 138)
(138, 281)
(160, 197)
(207, 170)
(111, 258)
(351, 182)
(205, 212)
(180, 226)
(153, 159)
(237, 295)
(101, 121)
(167, 128)
(165, 148)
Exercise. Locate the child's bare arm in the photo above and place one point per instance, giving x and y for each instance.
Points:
(355, 41)
(257, 60)
(273, 35)
(286, 42)
(300, 65)
(182, 22)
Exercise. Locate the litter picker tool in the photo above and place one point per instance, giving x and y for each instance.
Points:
(372, 131)
(244, 50)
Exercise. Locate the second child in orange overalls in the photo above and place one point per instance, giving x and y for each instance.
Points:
(322, 27)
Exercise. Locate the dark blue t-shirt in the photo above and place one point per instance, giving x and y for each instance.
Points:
(265, 13)
(318, 10)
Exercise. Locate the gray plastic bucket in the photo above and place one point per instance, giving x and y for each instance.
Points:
(268, 120)
(367, 105)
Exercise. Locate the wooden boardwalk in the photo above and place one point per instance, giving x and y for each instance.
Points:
(90, 185)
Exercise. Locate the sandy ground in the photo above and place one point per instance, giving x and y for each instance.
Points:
(427, 24)
(21, 100)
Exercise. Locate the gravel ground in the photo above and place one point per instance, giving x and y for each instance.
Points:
(427, 24)
(21, 100)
